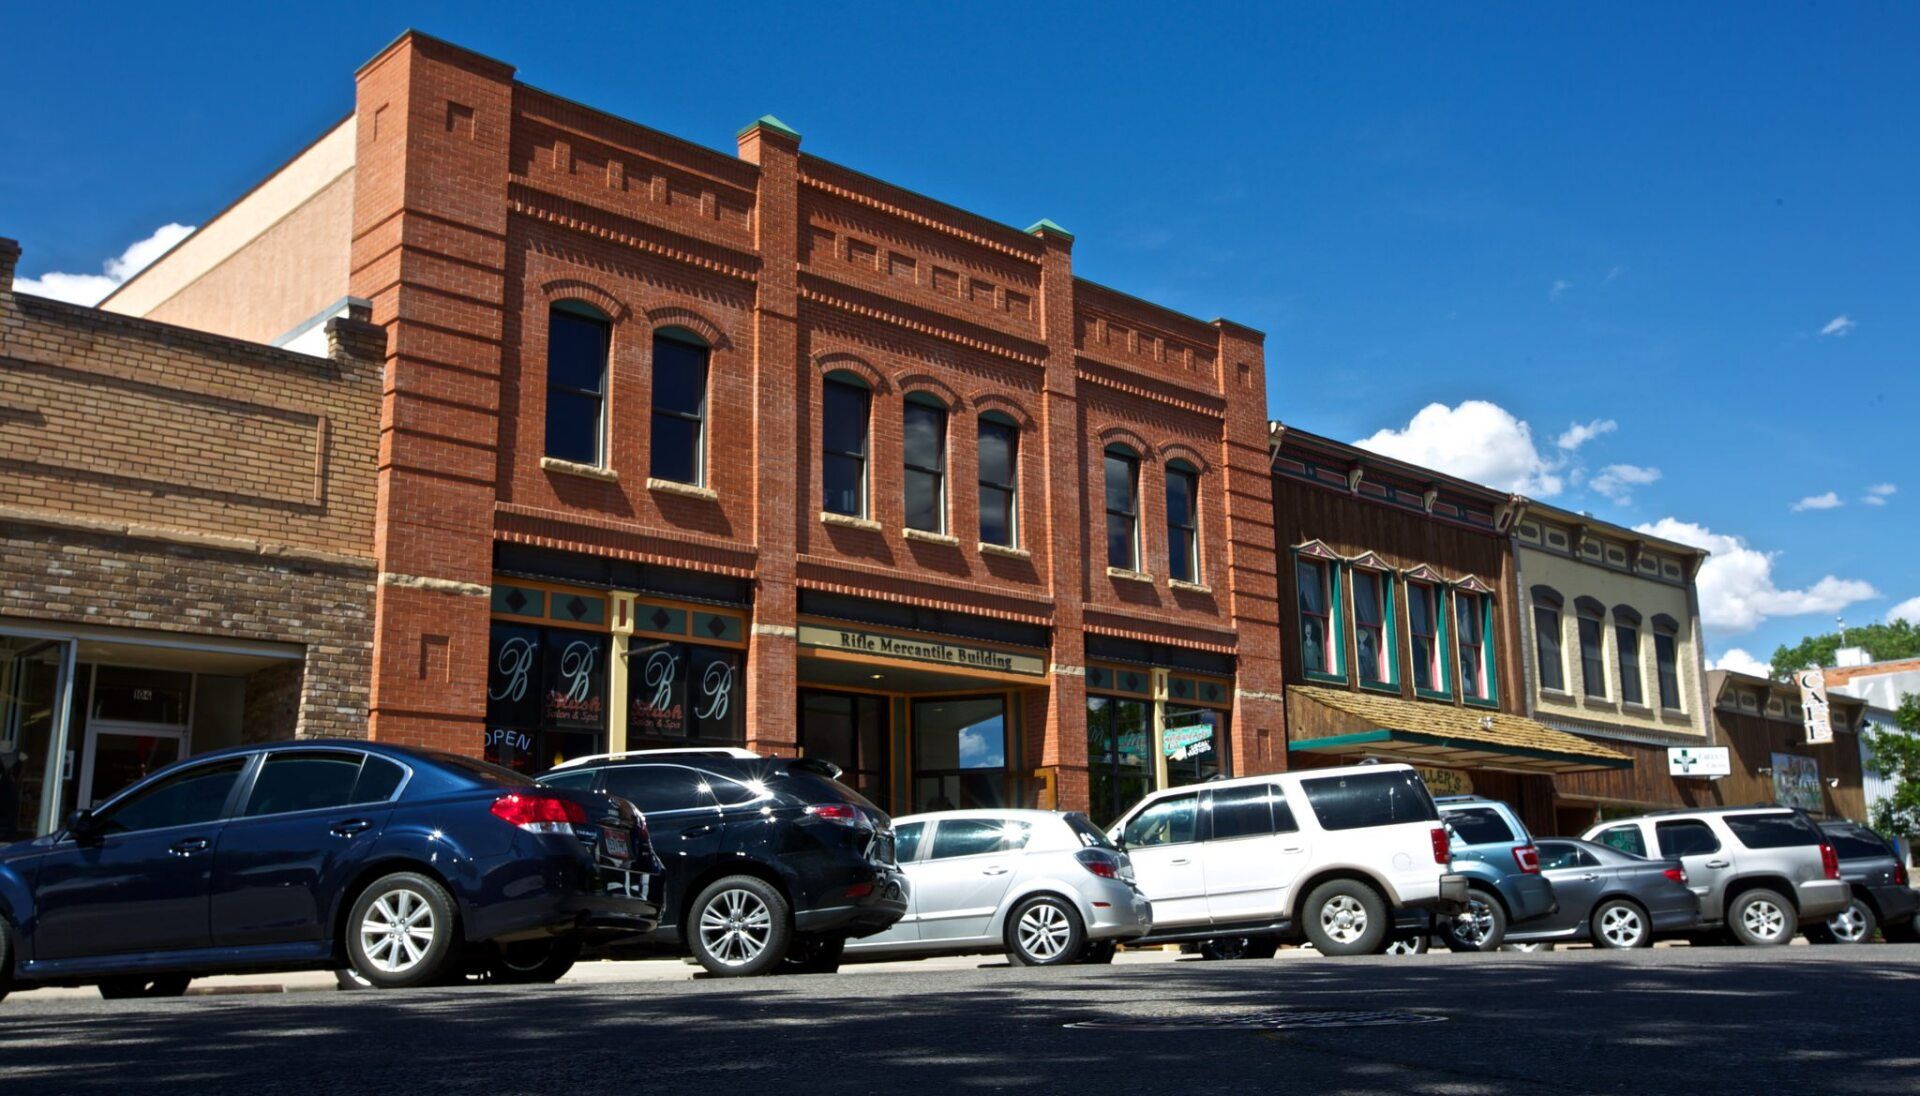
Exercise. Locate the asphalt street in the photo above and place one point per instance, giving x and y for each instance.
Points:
(1670, 1020)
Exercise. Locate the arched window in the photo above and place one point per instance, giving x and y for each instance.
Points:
(999, 480)
(1593, 656)
(679, 407)
(1123, 508)
(1666, 661)
(924, 424)
(1626, 642)
(578, 336)
(1183, 521)
(845, 402)
(1551, 663)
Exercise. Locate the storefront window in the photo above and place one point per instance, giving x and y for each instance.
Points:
(1195, 742)
(849, 730)
(1119, 755)
(546, 696)
(32, 674)
(680, 691)
(959, 753)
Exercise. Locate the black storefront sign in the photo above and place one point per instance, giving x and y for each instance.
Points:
(680, 691)
(546, 695)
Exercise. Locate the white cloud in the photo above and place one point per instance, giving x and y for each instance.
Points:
(1478, 441)
(1840, 326)
(1560, 285)
(1580, 433)
(1878, 494)
(1737, 591)
(1617, 481)
(1828, 501)
(1908, 610)
(90, 288)
(1740, 662)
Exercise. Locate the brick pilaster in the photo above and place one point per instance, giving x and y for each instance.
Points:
(1064, 457)
(1259, 713)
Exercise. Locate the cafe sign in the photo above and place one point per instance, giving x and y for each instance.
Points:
(919, 649)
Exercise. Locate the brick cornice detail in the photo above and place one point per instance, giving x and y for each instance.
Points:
(618, 228)
(1134, 628)
(820, 296)
(1213, 408)
(934, 224)
(857, 580)
(543, 528)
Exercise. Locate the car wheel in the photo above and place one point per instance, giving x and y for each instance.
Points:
(1480, 927)
(1345, 917)
(1099, 952)
(1853, 925)
(532, 962)
(1240, 947)
(1762, 918)
(1621, 924)
(400, 931)
(1044, 931)
(1413, 943)
(814, 955)
(742, 926)
(136, 987)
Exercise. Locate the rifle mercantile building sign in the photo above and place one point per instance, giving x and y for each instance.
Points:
(918, 649)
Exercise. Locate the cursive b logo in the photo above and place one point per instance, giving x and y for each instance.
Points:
(662, 668)
(511, 667)
(716, 691)
(576, 667)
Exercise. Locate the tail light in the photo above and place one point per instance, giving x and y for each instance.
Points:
(1678, 875)
(1442, 852)
(1100, 862)
(539, 813)
(1900, 873)
(1528, 857)
(846, 814)
(1829, 861)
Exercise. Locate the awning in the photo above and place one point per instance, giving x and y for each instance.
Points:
(1343, 721)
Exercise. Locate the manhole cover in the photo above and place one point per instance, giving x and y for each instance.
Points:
(1263, 1021)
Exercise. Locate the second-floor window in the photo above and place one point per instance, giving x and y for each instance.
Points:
(1593, 661)
(1372, 627)
(1319, 641)
(999, 482)
(844, 405)
(1123, 508)
(1666, 661)
(1546, 640)
(925, 422)
(578, 336)
(1183, 522)
(1423, 624)
(1626, 639)
(1475, 615)
(679, 409)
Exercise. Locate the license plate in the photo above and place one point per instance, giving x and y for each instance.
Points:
(618, 845)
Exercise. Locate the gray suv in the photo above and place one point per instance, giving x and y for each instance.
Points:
(1759, 871)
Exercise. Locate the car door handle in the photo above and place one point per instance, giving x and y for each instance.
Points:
(1182, 860)
(1716, 863)
(696, 831)
(190, 846)
(995, 870)
(1291, 848)
(351, 827)
(1588, 878)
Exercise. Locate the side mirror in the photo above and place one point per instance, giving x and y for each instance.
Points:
(82, 824)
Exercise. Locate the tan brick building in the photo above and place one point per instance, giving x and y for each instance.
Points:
(683, 448)
(186, 545)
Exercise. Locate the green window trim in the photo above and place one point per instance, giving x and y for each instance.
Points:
(1487, 659)
(1442, 642)
(1389, 632)
(1336, 637)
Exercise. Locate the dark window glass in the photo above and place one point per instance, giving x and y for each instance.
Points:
(1627, 638)
(815, 788)
(188, 798)
(1475, 657)
(1119, 754)
(546, 696)
(999, 488)
(926, 465)
(977, 837)
(1369, 799)
(576, 385)
(1857, 845)
(1123, 529)
(303, 781)
(1555, 855)
(959, 753)
(844, 409)
(1370, 625)
(1167, 822)
(1772, 831)
(679, 410)
(1593, 667)
(1316, 616)
(849, 730)
(1479, 826)
(1667, 666)
(658, 788)
(1194, 741)
(1090, 835)
(128, 694)
(379, 779)
(1685, 837)
(480, 772)
(906, 841)
(1183, 523)
(1250, 811)
(1546, 643)
(577, 779)
(1627, 839)
(1424, 625)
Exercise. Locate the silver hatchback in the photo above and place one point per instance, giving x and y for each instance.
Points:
(1044, 887)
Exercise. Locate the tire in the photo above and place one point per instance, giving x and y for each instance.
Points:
(1906, 932)
(1240, 947)
(1853, 925)
(1099, 953)
(740, 926)
(1346, 917)
(351, 981)
(401, 930)
(137, 987)
(1481, 928)
(1411, 943)
(6, 958)
(532, 962)
(1044, 931)
(1620, 925)
(1762, 917)
(814, 955)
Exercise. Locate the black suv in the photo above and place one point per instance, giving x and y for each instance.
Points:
(1878, 879)
(772, 863)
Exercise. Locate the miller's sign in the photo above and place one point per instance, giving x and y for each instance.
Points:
(920, 650)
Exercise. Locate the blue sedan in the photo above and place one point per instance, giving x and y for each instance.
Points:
(405, 866)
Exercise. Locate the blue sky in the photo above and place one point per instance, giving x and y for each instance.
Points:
(1692, 230)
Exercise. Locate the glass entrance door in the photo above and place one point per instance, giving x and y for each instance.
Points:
(35, 687)
(136, 724)
(850, 730)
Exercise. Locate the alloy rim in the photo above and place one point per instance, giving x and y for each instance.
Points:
(736, 927)
(398, 931)
(1474, 926)
(1343, 918)
(1043, 931)
(1621, 926)
(1849, 924)
(1764, 920)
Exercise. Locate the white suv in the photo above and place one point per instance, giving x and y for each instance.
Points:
(1328, 853)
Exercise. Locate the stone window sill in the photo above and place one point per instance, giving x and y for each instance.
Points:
(675, 487)
(1190, 587)
(931, 538)
(1125, 575)
(587, 471)
(1004, 550)
(848, 521)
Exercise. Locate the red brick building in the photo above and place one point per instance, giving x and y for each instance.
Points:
(683, 448)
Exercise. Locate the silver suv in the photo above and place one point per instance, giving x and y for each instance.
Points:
(1758, 871)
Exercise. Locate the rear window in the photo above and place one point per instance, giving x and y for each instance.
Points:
(1772, 831)
(1370, 799)
(1686, 837)
(482, 771)
(1857, 845)
(1090, 835)
(1625, 839)
(814, 788)
(1479, 826)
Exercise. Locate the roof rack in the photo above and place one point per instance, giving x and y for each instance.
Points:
(684, 751)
